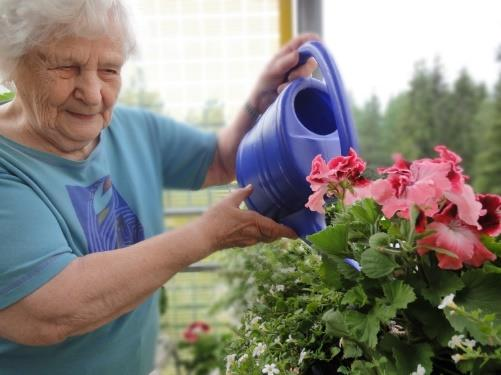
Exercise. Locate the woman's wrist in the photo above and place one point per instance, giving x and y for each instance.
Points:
(252, 112)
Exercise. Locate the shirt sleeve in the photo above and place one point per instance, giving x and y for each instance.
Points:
(33, 248)
(184, 153)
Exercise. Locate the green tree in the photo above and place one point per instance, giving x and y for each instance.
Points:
(394, 116)
(488, 161)
(369, 125)
(425, 116)
(462, 124)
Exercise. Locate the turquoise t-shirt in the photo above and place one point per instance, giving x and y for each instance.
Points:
(53, 210)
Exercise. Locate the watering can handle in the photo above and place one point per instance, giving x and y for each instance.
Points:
(332, 78)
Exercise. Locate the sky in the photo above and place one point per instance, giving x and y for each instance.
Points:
(376, 43)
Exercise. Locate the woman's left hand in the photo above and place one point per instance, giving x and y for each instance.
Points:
(278, 72)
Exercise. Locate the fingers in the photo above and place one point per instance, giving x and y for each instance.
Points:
(304, 70)
(236, 197)
(297, 41)
(288, 57)
(271, 230)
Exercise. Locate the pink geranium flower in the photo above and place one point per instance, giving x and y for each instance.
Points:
(426, 183)
(340, 175)
(420, 183)
(347, 168)
(450, 233)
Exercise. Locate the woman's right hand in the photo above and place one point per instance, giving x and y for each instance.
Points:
(225, 225)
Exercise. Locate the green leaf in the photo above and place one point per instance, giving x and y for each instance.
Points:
(355, 296)
(332, 240)
(491, 268)
(441, 283)
(375, 264)
(432, 320)
(360, 214)
(379, 240)
(394, 230)
(365, 211)
(364, 327)
(398, 294)
(351, 349)
(6, 96)
(408, 357)
(480, 297)
(359, 367)
(335, 323)
(334, 351)
(481, 292)
(491, 244)
(347, 271)
(329, 273)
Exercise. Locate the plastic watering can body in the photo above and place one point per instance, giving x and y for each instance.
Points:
(308, 118)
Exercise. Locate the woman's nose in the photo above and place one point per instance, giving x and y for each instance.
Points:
(88, 87)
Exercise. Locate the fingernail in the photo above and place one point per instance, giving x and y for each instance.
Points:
(248, 186)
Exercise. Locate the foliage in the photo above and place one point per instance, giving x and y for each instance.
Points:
(200, 351)
(6, 97)
(489, 167)
(286, 292)
(380, 293)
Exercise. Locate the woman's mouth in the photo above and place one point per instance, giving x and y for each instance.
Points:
(82, 116)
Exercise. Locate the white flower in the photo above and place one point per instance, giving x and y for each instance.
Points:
(259, 349)
(243, 358)
(302, 355)
(255, 320)
(469, 343)
(215, 372)
(290, 339)
(419, 371)
(277, 340)
(270, 369)
(230, 359)
(455, 341)
(448, 301)
(456, 358)
(289, 269)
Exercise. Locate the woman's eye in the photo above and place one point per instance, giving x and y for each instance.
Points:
(110, 71)
(68, 70)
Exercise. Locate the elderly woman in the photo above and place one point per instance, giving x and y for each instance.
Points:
(83, 249)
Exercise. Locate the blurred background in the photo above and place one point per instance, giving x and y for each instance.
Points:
(418, 74)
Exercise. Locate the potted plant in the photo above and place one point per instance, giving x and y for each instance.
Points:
(406, 278)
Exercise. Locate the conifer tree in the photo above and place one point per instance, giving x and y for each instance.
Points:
(488, 162)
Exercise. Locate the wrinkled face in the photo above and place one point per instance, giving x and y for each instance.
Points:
(68, 89)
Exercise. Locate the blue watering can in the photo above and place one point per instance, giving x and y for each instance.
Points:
(308, 118)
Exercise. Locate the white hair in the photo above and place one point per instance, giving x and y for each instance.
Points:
(25, 24)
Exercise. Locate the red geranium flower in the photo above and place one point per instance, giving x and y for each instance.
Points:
(192, 333)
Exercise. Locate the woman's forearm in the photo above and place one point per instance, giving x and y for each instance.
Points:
(96, 289)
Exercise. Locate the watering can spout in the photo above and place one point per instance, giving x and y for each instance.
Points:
(308, 118)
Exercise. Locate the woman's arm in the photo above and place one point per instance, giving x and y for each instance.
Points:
(96, 289)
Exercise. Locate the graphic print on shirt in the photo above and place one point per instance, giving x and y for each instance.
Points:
(106, 218)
